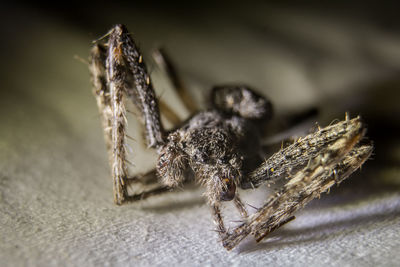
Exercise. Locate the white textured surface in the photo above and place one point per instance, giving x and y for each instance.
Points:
(55, 193)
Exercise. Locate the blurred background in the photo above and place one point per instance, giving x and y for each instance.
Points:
(56, 196)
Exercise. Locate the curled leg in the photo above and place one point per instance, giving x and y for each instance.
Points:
(118, 69)
(308, 184)
(294, 157)
(332, 165)
(126, 65)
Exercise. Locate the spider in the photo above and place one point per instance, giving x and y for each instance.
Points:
(219, 147)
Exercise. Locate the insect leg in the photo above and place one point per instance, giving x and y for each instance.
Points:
(170, 114)
(240, 206)
(216, 210)
(163, 60)
(297, 155)
(102, 92)
(144, 186)
(123, 53)
(112, 111)
(332, 165)
(124, 67)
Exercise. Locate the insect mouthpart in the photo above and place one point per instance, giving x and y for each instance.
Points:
(229, 190)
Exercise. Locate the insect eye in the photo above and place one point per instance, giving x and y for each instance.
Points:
(229, 190)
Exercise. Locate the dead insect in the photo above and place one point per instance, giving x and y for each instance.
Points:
(220, 147)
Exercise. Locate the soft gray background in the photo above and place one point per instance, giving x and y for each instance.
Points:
(55, 189)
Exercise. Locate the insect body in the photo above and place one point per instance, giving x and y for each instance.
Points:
(215, 145)
(220, 147)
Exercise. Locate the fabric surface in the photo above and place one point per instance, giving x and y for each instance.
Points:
(56, 205)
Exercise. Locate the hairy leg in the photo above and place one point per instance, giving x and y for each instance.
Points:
(102, 92)
(331, 166)
(126, 68)
(294, 157)
(109, 96)
(117, 69)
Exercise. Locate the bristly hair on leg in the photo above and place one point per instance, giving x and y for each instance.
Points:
(334, 164)
(116, 74)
